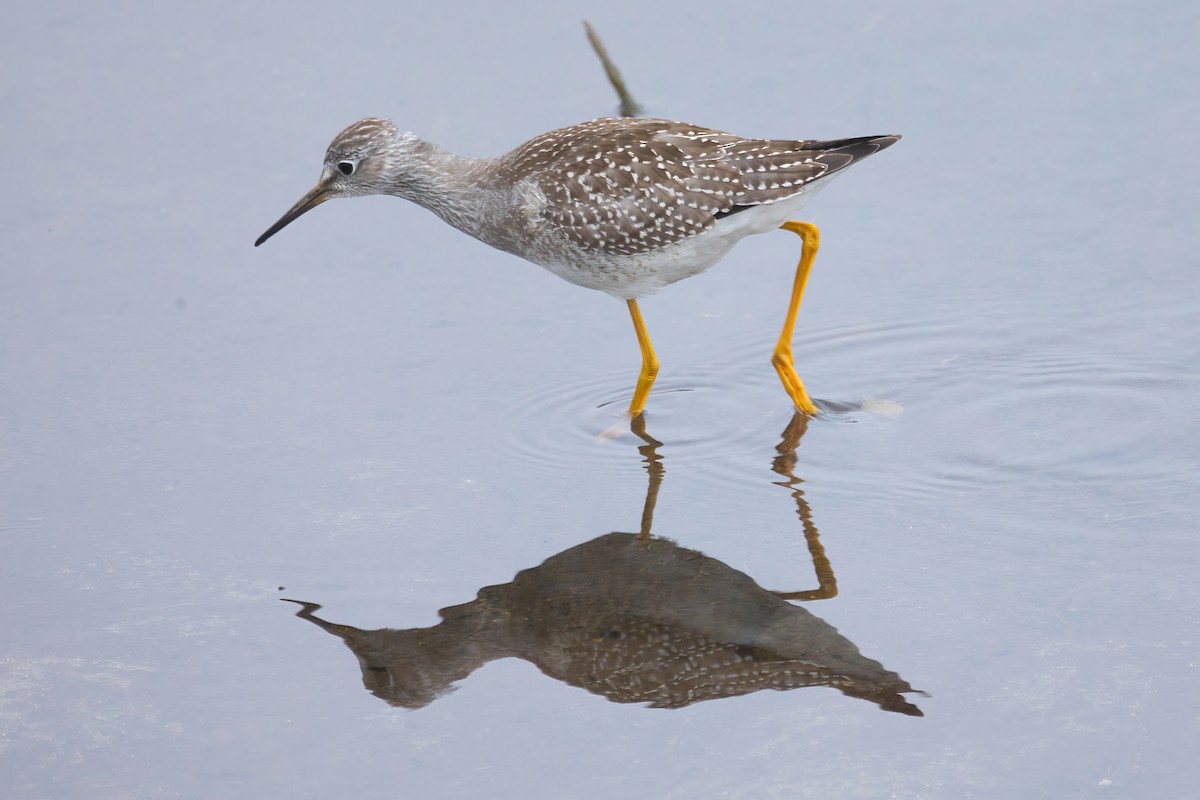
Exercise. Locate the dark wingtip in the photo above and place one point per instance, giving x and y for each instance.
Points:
(841, 153)
(857, 147)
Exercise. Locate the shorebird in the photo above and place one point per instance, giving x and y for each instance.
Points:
(626, 206)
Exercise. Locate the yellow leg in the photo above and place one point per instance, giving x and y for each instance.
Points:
(782, 359)
(649, 362)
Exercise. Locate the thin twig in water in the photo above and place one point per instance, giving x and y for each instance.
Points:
(629, 106)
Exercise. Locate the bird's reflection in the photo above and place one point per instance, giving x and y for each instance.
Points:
(635, 618)
(784, 465)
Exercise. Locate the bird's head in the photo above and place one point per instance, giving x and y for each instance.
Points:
(357, 162)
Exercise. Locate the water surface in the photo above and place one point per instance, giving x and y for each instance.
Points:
(378, 416)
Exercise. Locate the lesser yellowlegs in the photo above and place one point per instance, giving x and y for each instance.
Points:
(625, 206)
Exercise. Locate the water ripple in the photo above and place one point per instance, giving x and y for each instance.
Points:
(985, 399)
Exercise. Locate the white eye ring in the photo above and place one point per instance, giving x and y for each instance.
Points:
(346, 167)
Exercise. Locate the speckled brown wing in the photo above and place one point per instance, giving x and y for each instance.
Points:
(623, 187)
(632, 186)
(769, 170)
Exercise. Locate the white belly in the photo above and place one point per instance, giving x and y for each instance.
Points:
(633, 276)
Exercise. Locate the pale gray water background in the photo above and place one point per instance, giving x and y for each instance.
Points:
(383, 416)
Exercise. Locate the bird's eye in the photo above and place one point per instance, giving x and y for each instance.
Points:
(346, 167)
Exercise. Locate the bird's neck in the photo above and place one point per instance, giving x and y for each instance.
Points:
(462, 190)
